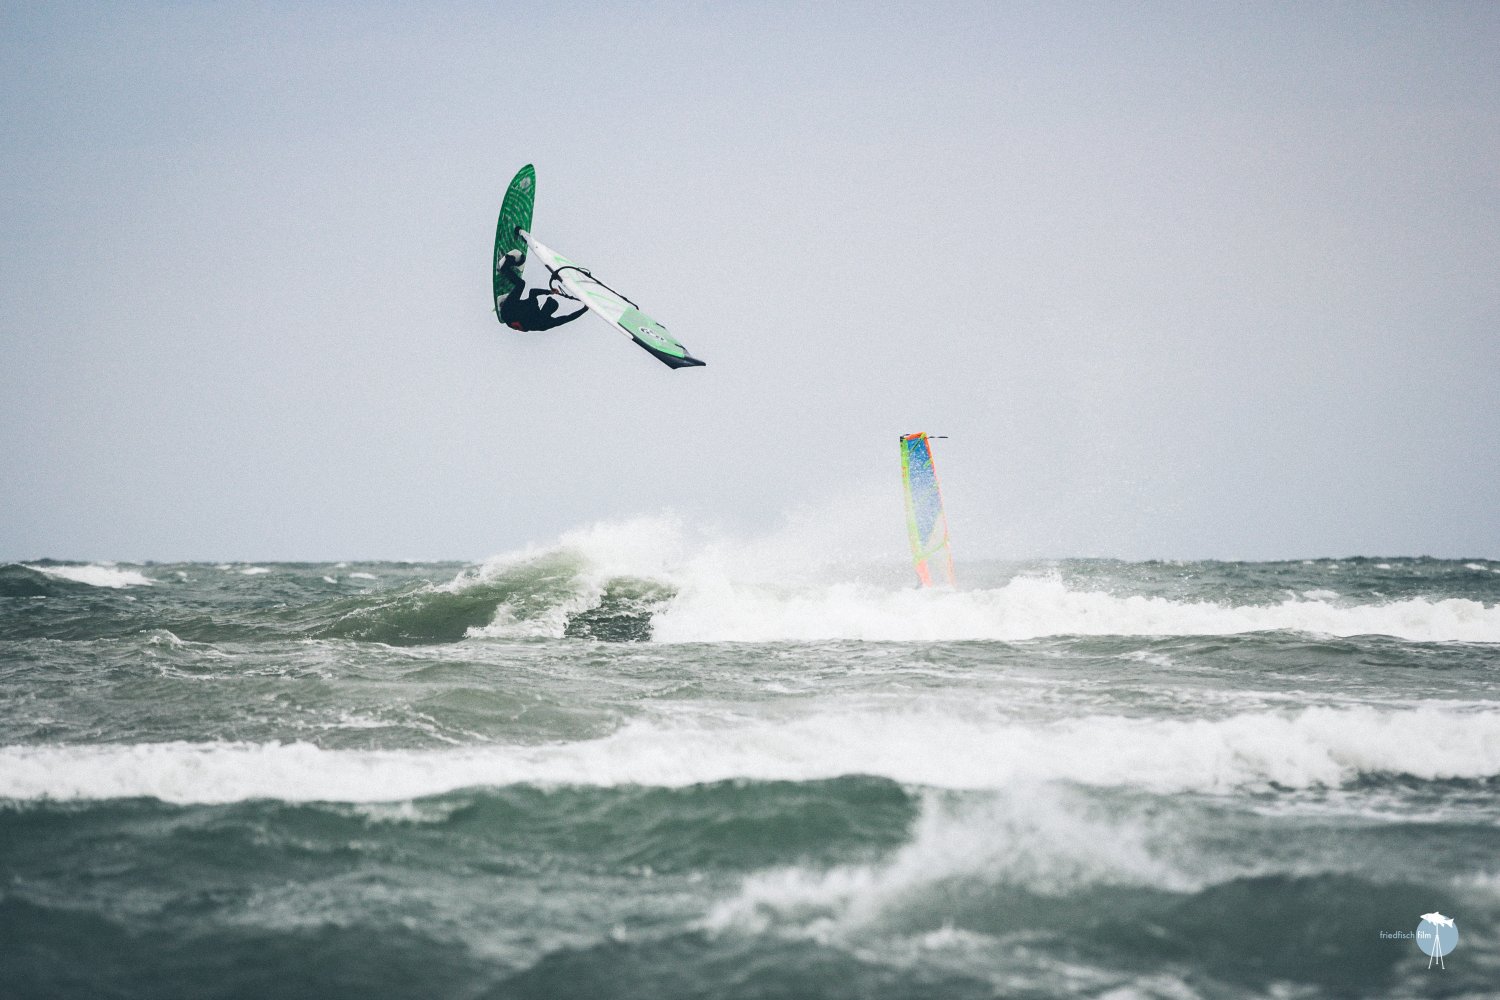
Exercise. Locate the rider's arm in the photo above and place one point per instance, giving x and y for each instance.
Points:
(548, 322)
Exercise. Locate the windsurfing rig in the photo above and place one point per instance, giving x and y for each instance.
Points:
(926, 524)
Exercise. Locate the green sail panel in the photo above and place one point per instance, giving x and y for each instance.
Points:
(926, 524)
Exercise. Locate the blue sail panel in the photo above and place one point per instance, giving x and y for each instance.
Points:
(926, 524)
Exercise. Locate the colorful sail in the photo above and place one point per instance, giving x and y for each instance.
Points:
(614, 308)
(926, 523)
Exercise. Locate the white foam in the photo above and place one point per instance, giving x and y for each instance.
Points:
(1046, 839)
(941, 745)
(97, 575)
(787, 586)
(253, 571)
(164, 637)
(1051, 840)
(718, 610)
(645, 547)
(640, 547)
(362, 576)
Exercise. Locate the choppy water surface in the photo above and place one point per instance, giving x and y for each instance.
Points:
(582, 772)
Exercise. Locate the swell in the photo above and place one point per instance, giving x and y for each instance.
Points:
(549, 596)
(17, 580)
(154, 958)
(849, 887)
(1306, 937)
(727, 826)
(357, 960)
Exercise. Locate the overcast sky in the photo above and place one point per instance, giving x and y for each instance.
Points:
(1196, 280)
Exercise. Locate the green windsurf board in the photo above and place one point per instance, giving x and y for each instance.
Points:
(515, 213)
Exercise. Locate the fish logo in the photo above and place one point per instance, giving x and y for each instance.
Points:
(1437, 935)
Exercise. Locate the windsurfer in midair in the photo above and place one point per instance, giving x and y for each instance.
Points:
(528, 312)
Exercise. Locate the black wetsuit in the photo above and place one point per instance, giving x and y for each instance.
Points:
(528, 312)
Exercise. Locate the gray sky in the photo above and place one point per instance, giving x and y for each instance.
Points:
(1179, 280)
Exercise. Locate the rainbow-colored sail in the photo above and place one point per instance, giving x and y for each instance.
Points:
(926, 523)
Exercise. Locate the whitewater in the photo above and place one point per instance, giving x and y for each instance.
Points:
(638, 760)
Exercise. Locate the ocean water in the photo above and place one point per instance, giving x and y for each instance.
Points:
(617, 768)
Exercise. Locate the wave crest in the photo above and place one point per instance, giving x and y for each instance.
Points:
(1316, 747)
(105, 575)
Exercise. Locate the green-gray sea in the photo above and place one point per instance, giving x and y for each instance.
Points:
(574, 772)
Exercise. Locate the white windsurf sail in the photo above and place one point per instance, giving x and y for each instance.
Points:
(614, 308)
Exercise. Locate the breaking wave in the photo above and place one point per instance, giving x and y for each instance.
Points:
(1036, 607)
(653, 580)
(92, 574)
(648, 580)
(1316, 747)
